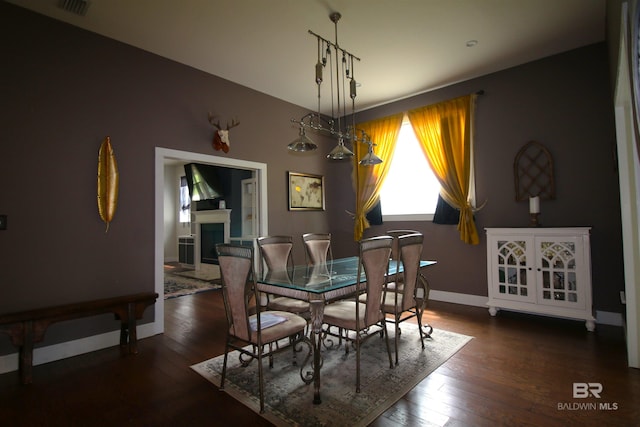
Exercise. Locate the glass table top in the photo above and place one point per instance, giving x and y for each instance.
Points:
(322, 278)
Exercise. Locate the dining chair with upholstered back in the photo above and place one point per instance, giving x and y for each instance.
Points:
(276, 256)
(276, 252)
(252, 334)
(394, 256)
(317, 248)
(408, 300)
(364, 318)
(395, 234)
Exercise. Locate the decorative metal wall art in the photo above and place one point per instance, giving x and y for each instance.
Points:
(533, 173)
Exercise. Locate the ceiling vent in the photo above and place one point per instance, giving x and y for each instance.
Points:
(78, 7)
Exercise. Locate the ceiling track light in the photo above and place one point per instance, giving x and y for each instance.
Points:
(341, 62)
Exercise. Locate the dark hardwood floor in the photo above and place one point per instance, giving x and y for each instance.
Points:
(519, 370)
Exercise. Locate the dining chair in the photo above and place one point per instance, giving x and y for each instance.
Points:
(276, 256)
(317, 248)
(395, 234)
(252, 334)
(394, 255)
(408, 300)
(364, 319)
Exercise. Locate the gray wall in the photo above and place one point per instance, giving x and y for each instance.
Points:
(64, 90)
(563, 102)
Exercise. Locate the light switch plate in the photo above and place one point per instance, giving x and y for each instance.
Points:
(3, 222)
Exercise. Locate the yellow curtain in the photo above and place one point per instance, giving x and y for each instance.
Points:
(368, 180)
(444, 131)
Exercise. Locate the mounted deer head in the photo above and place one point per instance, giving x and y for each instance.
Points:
(221, 137)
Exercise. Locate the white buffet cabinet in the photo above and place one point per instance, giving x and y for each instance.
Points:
(540, 270)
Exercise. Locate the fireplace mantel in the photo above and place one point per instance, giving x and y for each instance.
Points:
(218, 216)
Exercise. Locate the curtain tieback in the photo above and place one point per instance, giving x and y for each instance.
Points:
(479, 208)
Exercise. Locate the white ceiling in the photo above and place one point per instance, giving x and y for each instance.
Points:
(406, 46)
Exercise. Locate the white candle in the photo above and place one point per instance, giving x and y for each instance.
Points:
(534, 204)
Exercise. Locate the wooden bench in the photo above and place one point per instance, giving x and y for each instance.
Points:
(26, 328)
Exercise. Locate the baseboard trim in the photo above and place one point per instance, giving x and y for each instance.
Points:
(9, 362)
(602, 317)
(609, 318)
(456, 298)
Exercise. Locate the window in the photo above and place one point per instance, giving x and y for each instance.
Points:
(185, 201)
(410, 191)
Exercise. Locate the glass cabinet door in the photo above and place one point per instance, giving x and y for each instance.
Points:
(514, 279)
(557, 273)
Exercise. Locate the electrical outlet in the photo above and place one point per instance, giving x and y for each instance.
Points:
(3, 222)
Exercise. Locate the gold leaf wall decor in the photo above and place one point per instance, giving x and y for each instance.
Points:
(107, 182)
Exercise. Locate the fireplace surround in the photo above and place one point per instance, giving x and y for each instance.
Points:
(210, 228)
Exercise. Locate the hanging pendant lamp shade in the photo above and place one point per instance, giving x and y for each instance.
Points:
(340, 152)
(370, 159)
(302, 143)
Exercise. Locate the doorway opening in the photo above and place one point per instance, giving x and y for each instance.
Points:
(165, 157)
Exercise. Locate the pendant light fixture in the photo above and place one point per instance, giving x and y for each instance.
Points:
(370, 158)
(302, 143)
(340, 62)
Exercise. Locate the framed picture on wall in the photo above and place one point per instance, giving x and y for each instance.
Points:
(306, 192)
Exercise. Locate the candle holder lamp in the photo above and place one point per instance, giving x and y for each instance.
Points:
(535, 219)
(534, 211)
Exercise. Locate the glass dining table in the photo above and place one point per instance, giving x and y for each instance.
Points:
(319, 284)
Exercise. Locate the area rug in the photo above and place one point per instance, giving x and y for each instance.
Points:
(210, 273)
(180, 281)
(177, 286)
(288, 401)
